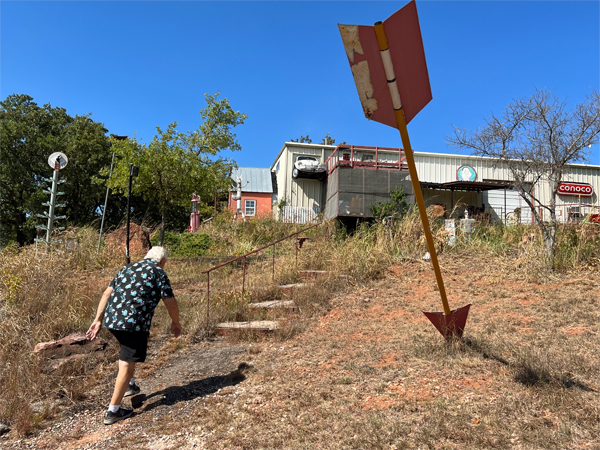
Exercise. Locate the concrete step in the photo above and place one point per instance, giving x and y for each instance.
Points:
(263, 326)
(272, 304)
(311, 275)
(288, 289)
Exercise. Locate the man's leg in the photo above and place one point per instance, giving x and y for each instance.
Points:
(125, 374)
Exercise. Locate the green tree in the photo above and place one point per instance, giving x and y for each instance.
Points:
(174, 165)
(328, 140)
(88, 150)
(214, 134)
(303, 139)
(28, 135)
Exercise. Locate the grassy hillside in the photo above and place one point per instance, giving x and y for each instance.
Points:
(47, 297)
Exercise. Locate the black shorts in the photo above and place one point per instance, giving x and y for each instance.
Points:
(134, 345)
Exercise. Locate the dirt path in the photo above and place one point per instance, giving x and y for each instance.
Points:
(170, 383)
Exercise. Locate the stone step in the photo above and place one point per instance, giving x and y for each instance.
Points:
(311, 275)
(263, 326)
(288, 289)
(272, 304)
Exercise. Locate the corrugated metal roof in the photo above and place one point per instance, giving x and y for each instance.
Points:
(258, 179)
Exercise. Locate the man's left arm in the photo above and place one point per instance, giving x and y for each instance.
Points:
(168, 299)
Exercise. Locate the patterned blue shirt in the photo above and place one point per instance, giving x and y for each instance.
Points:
(137, 289)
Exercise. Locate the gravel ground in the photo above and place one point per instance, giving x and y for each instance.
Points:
(183, 378)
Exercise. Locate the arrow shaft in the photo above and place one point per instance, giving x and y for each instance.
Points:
(412, 169)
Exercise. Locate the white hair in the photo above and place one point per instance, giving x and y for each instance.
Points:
(157, 254)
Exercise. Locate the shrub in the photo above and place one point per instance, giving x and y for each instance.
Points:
(185, 244)
(396, 207)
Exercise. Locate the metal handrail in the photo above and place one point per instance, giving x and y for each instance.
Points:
(334, 161)
(243, 257)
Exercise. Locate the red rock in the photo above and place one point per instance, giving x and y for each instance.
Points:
(72, 344)
(139, 240)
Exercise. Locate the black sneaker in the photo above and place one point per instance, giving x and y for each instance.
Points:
(132, 390)
(122, 413)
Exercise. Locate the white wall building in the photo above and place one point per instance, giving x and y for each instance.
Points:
(458, 182)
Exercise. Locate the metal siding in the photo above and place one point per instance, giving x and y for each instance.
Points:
(428, 168)
(307, 193)
(258, 179)
(332, 196)
(494, 202)
(442, 168)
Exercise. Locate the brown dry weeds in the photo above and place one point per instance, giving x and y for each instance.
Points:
(372, 372)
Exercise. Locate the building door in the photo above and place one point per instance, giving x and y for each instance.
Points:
(501, 208)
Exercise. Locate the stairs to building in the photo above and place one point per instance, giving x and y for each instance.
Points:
(271, 310)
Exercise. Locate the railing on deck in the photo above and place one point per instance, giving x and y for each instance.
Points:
(337, 158)
(299, 242)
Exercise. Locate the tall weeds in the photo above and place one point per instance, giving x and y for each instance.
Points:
(45, 297)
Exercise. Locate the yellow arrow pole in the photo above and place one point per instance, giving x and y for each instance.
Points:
(410, 160)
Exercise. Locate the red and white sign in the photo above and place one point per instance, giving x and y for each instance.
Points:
(576, 189)
(408, 59)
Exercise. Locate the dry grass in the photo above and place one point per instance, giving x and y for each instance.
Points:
(363, 369)
(44, 298)
(373, 373)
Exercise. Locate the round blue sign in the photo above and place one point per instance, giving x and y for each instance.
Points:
(466, 173)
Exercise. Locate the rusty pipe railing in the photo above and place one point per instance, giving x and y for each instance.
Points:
(334, 159)
(243, 258)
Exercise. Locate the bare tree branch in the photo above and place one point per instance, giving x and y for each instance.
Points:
(535, 138)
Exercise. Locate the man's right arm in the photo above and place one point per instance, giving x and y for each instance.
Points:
(173, 309)
(97, 323)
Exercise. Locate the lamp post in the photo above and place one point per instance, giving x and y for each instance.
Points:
(118, 138)
(133, 172)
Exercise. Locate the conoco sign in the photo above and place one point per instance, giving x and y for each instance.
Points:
(576, 189)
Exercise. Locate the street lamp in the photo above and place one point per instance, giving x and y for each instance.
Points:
(118, 138)
(133, 172)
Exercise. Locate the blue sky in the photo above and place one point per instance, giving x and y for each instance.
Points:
(138, 65)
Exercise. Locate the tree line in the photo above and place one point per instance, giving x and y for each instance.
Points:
(171, 167)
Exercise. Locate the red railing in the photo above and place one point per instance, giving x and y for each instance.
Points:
(299, 242)
(334, 159)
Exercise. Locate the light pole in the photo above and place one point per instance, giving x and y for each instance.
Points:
(118, 138)
(133, 172)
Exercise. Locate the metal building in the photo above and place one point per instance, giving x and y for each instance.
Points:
(488, 188)
(354, 178)
(358, 176)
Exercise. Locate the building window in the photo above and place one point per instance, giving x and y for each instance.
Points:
(250, 208)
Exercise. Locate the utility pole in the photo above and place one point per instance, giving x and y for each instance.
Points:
(105, 203)
(118, 138)
(133, 172)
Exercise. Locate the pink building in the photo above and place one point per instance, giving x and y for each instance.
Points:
(257, 192)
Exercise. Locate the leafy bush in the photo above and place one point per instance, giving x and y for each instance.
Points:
(185, 244)
(396, 207)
